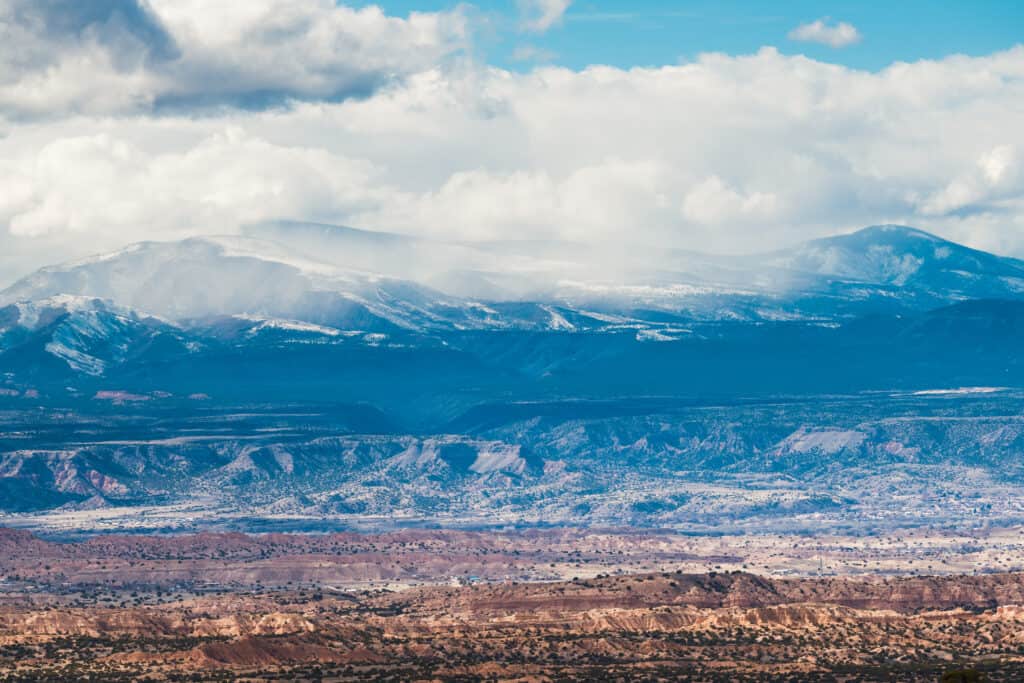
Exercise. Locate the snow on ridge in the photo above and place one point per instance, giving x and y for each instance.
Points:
(77, 360)
(98, 258)
(480, 306)
(289, 325)
(29, 311)
(780, 315)
(960, 391)
(558, 321)
(607, 317)
(70, 302)
(28, 314)
(666, 334)
(234, 246)
(910, 232)
(669, 291)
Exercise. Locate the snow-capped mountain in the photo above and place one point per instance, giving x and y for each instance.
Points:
(347, 279)
(88, 335)
(211, 277)
(544, 310)
(904, 257)
(880, 269)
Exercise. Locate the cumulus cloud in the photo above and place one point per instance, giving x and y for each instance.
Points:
(539, 16)
(104, 186)
(594, 202)
(836, 35)
(114, 56)
(726, 153)
(996, 176)
(714, 202)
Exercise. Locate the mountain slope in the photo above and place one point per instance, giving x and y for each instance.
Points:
(879, 269)
(222, 276)
(904, 257)
(70, 335)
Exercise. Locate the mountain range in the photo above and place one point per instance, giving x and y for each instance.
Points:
(329, 274)
(322, 372)
(331, 313)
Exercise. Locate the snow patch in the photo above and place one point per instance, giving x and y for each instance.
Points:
(288, 325)
(668, 334)
(824, 441)
(558, 321)
(82, 362)
(959, 391)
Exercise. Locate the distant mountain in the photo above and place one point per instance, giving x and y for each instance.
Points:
(907, 258)
(496, 271)
(353, 280)
(293, 317)
(211, 277)
(880, 269)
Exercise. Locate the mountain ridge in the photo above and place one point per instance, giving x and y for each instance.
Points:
(190, 278)
(264, 321)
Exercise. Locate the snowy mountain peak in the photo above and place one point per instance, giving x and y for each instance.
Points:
(209, 277)
(319, 275)
(895, 255)
(893, 233)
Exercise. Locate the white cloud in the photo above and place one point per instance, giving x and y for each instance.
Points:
(713, 202)
(590, 203)
(997, 176)
(539, 16)
(103, 187)
(836, 35)
(725, 153)
(114, 56)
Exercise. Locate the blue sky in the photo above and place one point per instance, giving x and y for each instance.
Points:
(654, 33)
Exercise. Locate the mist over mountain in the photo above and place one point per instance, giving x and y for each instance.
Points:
(300, 270)
(316, 310)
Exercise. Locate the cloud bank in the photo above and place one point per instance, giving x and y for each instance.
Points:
(725, 153)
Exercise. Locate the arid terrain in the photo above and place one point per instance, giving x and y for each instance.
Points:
(556, 605)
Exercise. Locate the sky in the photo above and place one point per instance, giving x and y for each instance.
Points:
(651, 33)
(717, 126)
